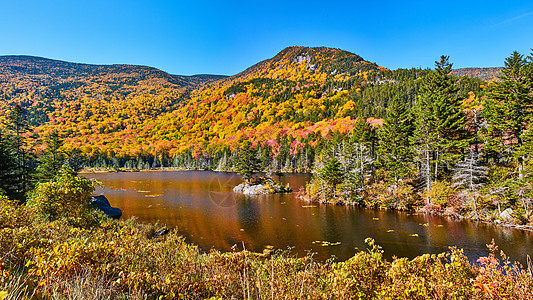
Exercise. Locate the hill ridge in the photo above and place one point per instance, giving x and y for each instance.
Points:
(284, 103)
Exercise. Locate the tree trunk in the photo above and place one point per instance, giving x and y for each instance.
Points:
(436, 165)
(521, 167)
(428, 175)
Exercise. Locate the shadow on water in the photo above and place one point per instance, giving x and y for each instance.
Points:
(203, 207)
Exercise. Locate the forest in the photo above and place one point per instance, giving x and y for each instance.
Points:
(391, 139)
(395, 139)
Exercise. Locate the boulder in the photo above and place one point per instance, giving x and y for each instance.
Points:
(257, 189)
(248, 189)
(261, 189)
(239, 188)
(507, 215)
(100, 202)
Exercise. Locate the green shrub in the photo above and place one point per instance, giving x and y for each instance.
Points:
(65, 196)
(439, 193)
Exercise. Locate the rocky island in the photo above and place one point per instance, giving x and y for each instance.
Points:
(261, 186)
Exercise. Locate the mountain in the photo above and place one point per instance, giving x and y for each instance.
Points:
(317, 61)
(44, 86)
(287, 104)
(298, 92)
(57, 71)
(485, 74)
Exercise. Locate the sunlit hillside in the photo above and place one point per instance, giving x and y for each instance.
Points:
(287, 104)
(50, 90)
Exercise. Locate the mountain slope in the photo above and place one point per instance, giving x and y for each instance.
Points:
(45, 86)
(286, 104)
(486, 74)
(298, 93)
(317, 61)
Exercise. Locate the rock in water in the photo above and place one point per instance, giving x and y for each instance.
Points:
(247, 189)
(100, 202)
(239, 188)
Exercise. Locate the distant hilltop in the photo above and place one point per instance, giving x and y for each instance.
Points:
(486, 74)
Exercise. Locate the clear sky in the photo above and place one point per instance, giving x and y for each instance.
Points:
(226, 37)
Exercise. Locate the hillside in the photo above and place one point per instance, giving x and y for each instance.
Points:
(300, 91)
(486, 74)
(311, 62)
(44, 86)
(140, 116)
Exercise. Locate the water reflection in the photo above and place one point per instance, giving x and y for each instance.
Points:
(206, 211)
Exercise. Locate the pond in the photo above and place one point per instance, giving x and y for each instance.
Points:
(205, 210)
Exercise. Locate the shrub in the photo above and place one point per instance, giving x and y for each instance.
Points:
(360, 276)
(439, 193)
(13, 215)
(66, 195)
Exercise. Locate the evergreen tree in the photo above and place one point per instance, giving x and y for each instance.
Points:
(52, 158)
(17, 126)
(246, 163)
(423, 141)
(76, 160)
(448, 116)
(8, 165)
(363, 142)
(394, 151)
(331, 173)
(508, 109)
(439, 136)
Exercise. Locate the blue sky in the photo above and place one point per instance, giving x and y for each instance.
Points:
(226, 37)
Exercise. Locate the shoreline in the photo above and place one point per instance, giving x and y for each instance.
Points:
(302, 198)
(166, 169)
(421, 210)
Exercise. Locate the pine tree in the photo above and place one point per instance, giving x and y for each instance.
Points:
(424, 139)
(76, 160)
(362, 146)
(331, 173)
(508, 109)
(17, 126)
(447, 117)
(52, 158)
(439, 136)
(247, 163)
(8, 165)
(394, 151)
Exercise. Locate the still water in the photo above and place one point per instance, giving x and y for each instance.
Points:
(203, 207)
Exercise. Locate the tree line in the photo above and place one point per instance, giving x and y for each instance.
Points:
(27, 160)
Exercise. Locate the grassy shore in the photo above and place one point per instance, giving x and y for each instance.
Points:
(110, 259)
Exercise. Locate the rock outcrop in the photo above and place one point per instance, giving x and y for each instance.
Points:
(248, 189)
(261, 189)
(507, 215)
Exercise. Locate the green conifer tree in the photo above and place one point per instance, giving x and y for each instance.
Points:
(448, 117)
(8, 165)
(508, 109)
(17, 127)
(52, 159)
(331, 173)
(439, 136)
(394, 152)
(363, 141)
(247, 163)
